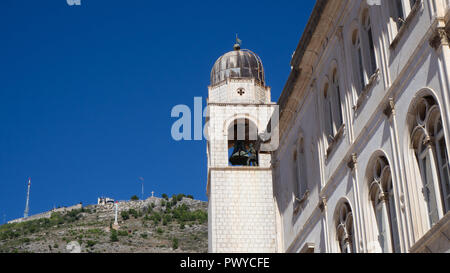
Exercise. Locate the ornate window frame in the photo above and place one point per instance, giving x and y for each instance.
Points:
(334, 112)
(345, 228)
(383, 202)
(426, 140)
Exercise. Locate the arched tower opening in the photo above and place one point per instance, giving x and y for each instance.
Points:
(243, 144)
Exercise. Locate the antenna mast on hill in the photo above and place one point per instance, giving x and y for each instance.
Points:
(27, 208)
(142, 180)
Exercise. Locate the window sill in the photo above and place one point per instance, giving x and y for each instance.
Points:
(414, 10)
(298, 203)
(364, 94)
(335, 140)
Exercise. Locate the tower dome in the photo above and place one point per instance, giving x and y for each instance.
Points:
(239, 63)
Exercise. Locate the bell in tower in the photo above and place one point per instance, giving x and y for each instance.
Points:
(240, 155)
(243, 139)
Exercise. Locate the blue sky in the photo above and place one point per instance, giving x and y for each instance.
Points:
(86, 91)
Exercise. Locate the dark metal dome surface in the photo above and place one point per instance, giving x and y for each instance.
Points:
(240, 63)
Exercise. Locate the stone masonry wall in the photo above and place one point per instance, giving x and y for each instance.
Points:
(242, 213)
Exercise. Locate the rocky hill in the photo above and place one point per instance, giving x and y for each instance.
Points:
(156, 225)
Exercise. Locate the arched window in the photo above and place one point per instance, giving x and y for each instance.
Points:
(383, 202)
(369, 45)
(328, 110)
(295, 181)
(333, 107)
(337, 109)
(344, 228)
(364, 57)
(430, 147)
(299, 169)
(358, 67)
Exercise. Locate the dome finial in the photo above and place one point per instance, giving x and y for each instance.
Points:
(237, 45)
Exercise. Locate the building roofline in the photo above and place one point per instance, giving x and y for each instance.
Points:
(300, 51)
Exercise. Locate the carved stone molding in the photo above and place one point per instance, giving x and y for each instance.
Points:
(322, 204)
(428, 141)
(352, 163)
(439, 38)
(383, 196)
(390, 108)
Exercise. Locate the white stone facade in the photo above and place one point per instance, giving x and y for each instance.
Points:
(241, 210)
(365, 95)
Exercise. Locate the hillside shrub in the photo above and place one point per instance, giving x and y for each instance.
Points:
(175, 243)
(134, 198)
(113, 236)
(125, 215)
(134, 213)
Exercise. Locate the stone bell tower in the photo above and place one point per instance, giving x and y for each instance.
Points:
(239, 189)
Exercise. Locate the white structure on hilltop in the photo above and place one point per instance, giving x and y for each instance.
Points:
(241, 208)
(363, 161)
(104, 201)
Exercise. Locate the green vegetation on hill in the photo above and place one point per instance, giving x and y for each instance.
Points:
(15, 230)
(172, 224)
